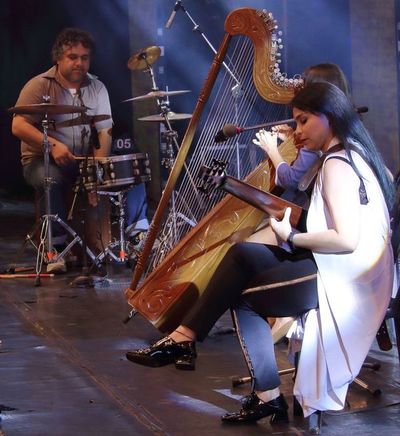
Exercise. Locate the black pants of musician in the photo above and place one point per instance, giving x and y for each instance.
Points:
(247, 265)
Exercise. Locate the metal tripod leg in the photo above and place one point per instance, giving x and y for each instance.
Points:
(52, 256)
(121, 243)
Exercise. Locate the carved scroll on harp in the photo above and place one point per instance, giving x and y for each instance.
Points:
(175, 283)
(259, 26)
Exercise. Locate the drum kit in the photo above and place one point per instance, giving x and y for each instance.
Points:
(111, 176)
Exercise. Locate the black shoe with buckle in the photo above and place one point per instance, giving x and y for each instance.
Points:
(165, 352)
(253, 409)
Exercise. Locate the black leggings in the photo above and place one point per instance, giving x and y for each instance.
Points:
(249, 265)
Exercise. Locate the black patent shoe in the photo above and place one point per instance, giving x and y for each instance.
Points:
(165, 352)
(253, 409)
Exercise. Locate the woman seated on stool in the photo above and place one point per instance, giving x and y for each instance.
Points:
(341, 273)
(288, 176)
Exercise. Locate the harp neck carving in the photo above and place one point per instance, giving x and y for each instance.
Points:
(261, 28)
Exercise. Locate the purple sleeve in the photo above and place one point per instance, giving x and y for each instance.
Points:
(289, 176)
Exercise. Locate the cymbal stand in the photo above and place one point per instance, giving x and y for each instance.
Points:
(45, 231)
(149, 70)
(168, 162)
(236, 90)
(172, 147)
(164, 107)
(45, 251)
(172, 142)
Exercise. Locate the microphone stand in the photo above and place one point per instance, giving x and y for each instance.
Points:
(236, 89)
(263, 125)
(196, 28)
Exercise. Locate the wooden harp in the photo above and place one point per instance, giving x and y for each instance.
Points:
(175, 282)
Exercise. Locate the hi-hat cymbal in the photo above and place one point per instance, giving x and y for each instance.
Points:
(171, 116)
(144, 58)
(47, 108)
(157, 94)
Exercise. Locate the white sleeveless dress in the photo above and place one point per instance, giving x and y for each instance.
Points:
(354, 291)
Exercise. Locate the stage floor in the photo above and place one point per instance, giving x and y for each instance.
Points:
(63, 369)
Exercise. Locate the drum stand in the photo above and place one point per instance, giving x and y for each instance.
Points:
(85, 280)
(117, 198)
(45, 251)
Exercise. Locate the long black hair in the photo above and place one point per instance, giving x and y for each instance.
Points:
(327, 99)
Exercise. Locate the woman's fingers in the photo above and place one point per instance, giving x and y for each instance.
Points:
(283, 227)
(286, 216)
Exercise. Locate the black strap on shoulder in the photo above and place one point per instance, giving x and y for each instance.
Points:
(361, 190)
(309, 177)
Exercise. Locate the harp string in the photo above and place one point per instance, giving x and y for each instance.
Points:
(245, 107)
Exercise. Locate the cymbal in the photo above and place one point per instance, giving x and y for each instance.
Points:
(144, 58)
(83, 119)
(47, 108)
(172, 116)
(157, 94)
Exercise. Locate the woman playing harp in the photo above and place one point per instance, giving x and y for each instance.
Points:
(202, 230)
(346, 256)
(288, 177)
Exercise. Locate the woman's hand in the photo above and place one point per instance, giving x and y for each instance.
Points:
(268, 141)
(283, 131)
(282, 228)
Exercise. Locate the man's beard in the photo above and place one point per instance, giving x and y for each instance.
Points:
(76, 76)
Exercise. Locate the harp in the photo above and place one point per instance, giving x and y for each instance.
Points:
(196, 236)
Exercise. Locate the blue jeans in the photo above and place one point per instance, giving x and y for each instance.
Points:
(249, 265)
(136, 206)
(64, 178)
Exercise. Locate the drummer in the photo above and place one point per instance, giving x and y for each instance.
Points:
(68, 82)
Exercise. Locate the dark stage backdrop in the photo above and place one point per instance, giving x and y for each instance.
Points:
(27, 32)
(313, 31)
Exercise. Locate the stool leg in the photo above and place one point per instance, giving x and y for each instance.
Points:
(383, 338)
(315, 422)
(396, 320)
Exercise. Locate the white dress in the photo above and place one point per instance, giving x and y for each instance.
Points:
(354, 291)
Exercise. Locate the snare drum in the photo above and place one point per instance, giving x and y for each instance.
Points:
(114, 172)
